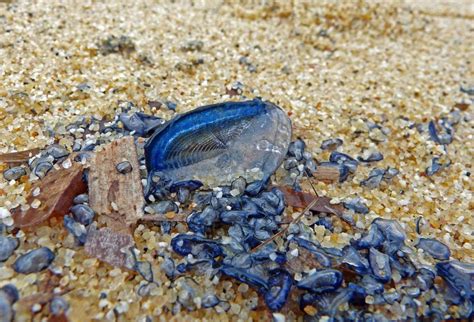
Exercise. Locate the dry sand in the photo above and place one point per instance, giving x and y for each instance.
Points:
(330, 64)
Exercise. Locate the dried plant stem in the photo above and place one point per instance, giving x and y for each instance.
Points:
(281, 232)
(294, 221)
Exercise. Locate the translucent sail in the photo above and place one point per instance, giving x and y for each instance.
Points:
(215, 144)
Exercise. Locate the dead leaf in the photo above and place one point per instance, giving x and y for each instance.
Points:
(297, 199)
(108, 245)
(114, 196)
(18, 157)
(57, 190)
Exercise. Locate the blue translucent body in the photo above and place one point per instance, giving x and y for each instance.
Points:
(217, 143)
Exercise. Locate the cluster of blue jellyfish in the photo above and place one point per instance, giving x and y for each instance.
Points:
(226, 236)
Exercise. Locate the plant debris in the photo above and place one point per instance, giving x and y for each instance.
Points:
(116, 197)
(15, 158)
(56, 194)
(108, 245)
(301, 200)
(368, 94)
(328, 174)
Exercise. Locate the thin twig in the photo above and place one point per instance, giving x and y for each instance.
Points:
(294, 221)
(329, 208)
(281, 232)
(310, 183)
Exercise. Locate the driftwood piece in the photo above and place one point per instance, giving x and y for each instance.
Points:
(57, 190)
(108, 245)
(326, 174)
(114, 196)
(297, 199)
(15, 158)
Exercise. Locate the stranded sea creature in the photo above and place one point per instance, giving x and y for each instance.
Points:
(34, 261)
(217, 143)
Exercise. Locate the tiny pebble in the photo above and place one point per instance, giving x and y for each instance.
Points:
(35, 204)
(294, 252)
(36, 308)
(36, 192)
(114, 206)
(278, 317)
(4, 213)
(67, 164)
(8, 221)
(239, 185)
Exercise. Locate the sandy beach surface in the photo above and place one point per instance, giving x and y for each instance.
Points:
(334, 66)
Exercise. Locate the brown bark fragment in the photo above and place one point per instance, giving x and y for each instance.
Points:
(108, 245)
(57, 190)
(15, 158)
(298, 199)
(116, 197)
(326, 174)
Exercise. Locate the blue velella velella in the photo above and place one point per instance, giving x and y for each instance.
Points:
(217, 143)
